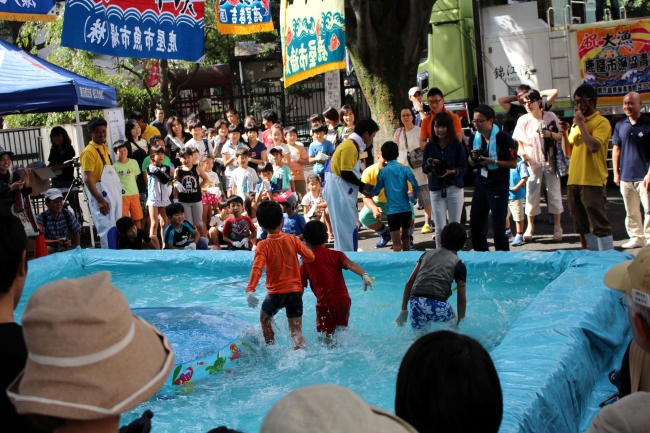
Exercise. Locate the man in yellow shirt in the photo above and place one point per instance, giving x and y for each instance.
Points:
(586, 143)
(147, 131)
(102, 184)
(342, 185)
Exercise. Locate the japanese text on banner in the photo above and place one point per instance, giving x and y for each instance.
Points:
(244, 16)
(28, 10)
(616, 60)
(160, 29)
(313, 38)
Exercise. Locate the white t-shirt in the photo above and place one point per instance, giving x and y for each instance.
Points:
(245, 180)
(214, 178)
(412, 137)
(196, 145)
(217, 222)
(309, 200)
(527, 132)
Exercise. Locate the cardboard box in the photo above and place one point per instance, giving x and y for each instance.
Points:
(39, 180)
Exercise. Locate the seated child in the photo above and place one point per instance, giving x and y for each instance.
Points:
(429, 286)
(133, 238)
(516, 196)
(281, 172)
(278, 254)
(325, 275)
(180, 234)
(217, 222)
(266, 188)
(238, 231)
(394, 180)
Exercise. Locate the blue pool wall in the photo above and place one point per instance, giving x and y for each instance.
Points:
(548, 362)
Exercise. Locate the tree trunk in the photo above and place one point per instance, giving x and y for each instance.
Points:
(384, 42)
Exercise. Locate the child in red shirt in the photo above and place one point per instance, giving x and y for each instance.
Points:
(278, 252)
(238, 230)
(325, 275)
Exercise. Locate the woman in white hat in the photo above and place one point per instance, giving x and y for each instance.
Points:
(90, 358)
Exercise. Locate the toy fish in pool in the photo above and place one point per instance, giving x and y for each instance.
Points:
(185, 377)
(236, 352)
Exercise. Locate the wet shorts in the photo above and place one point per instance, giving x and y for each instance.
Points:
(291, 302)
(425, 310)
(399, 221)
(328, 318)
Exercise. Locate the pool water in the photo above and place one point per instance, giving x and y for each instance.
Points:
(365, 357)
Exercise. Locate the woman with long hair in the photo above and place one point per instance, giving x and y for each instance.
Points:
(446, 184)
(137, 146)
(60, 152)
(348, 118)
(176, 138)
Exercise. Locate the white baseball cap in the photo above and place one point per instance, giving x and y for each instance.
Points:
(53, 194)
(414, 90)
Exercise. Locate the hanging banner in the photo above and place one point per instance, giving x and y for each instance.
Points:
(615, 60)
(313, 38)
(28, 10)
(242, 17)
(150, 29)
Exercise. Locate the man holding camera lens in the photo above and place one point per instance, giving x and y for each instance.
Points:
(586, 144)
(493, 152)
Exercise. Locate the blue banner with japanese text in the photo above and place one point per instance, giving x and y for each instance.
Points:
(313, 38)
(28, 10)
(150, 29)
(242, 17)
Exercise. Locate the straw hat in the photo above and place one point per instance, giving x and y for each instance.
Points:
(89, 357)
(329, 408)
(632, 277)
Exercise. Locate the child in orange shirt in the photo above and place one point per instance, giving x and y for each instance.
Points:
(278, 252)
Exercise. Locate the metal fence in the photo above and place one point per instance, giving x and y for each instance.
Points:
(25, 143)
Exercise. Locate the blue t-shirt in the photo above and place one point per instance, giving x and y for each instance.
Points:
(516, 174)
(180, 238)
(326, 147)
(274, 187)
(634, 143)
(392, 179)
(293, 225)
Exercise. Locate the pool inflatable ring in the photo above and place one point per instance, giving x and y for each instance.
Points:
(205, 341)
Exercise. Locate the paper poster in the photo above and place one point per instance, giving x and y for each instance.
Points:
(115, 129)
(150, 29)
(313, 38)
(242, 17)
(333, 89)
(28, 10)
(615, 60)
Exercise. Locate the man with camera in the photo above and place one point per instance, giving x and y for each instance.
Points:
(586, 144)
(493, 152)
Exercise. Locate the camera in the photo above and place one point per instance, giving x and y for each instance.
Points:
(477, 155)
(436, 167)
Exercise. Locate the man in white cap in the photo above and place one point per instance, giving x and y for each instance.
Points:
(420, 111)
(90, 359)
(13, 272)
(62, 230)
(632, 413)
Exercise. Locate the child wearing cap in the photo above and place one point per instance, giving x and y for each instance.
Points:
(320, 150)
(293, 222)
(281, 172)
(325, 276)
(278, 254)
(298, 160)
(128, 170)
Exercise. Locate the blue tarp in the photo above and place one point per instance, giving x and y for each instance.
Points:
(29, 84)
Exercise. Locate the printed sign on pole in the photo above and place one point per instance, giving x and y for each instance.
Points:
(615, 60)
(150, 29)
(28, 10)
(115, 131)
(333, 89)
(242, 17)
(313, 38)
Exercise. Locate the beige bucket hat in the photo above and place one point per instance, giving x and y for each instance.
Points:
(89, 356)
(329, 408)
(632, 277)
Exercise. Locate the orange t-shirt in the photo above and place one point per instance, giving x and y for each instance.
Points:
(426, 128)
(278, 253)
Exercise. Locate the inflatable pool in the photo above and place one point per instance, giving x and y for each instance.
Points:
(552, 328)
(205, 341)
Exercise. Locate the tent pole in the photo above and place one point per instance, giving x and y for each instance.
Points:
(80, 148)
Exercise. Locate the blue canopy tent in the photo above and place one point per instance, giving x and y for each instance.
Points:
(29, 84)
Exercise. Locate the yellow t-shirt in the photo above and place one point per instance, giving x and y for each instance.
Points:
(149, 132)
(589, 168)
(345, 157)
(370, 175)
(90, 160)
